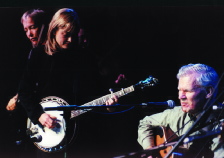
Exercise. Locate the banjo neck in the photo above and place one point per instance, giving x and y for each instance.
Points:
(102, 100)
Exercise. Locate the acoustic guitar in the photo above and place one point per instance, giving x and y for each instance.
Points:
(167, 138)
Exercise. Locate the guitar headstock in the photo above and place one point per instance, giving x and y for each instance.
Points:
(148, 82)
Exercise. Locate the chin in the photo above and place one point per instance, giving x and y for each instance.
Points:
(184, 109)
(64, 47)
(34, 44)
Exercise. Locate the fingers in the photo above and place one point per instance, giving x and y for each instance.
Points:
(52, 117)
(53, 121)
(47, 120)
(109, 102)
(112, 100)
(12, 104)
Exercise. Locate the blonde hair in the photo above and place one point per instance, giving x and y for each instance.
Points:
(64, 18)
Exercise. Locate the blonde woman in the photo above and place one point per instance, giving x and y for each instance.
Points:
(51, 71)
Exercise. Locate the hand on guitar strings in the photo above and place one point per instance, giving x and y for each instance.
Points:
(48, 120)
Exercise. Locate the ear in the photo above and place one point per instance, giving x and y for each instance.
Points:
(209, 91)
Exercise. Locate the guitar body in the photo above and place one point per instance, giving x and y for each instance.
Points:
(55, 139)
(162, 136)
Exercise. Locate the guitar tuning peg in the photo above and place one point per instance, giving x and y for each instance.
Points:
(111, 90)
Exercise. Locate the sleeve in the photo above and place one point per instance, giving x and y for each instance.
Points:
(27, 89)
(218, 144)
(147, 126)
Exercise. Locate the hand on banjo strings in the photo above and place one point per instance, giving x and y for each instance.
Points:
(48, 120)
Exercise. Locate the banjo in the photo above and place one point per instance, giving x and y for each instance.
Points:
(56, 139)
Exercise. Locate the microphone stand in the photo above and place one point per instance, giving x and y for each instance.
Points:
(67, 115)
(76, 107)
(146, 152)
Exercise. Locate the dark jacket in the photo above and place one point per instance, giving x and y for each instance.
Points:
(62, 75)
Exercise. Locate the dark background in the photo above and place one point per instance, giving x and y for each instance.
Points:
(137, 39)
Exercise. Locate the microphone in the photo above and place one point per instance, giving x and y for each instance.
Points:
(167, 104)
(218, 107)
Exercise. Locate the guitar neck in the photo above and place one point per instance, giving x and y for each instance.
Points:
(102, 100)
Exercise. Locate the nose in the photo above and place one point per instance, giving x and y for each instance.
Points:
(181, 95)
(29, 33)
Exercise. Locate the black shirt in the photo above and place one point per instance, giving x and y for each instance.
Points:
(64, 74)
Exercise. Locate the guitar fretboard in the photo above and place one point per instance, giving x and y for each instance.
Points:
(102, 100)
